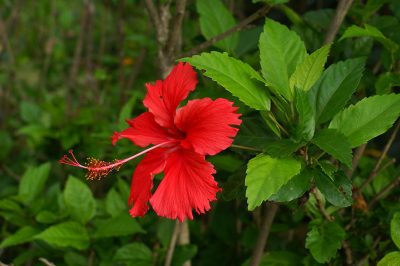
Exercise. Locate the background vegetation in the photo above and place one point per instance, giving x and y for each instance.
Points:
(71, 72)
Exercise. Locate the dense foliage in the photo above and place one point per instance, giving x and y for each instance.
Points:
(312, 170)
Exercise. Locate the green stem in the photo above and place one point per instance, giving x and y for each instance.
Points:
(244, 147)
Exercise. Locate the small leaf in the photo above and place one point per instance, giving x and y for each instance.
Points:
(134, 254)
(266, 175)
(121, 225)
(281, 148)
(79, 200)
(215, 19)
(126, 112)
(390, 259)
(235, 76)
(32, 182)
(308, 72)
(295, 188)
(395, 229)
(370, 31)
(324, 240)
(367, 119)
(337, 191)
(281, 50)
(334, 143)
(114, 203)
(335, 87)
(23, 235)
(68, 234)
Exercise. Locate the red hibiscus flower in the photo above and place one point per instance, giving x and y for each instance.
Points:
(182, 137)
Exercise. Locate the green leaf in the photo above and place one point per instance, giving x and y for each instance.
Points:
(79, 200)
(308, 72)
(126, 112)
(184, 253)
(295, 188)
(337, 191)
(370, 31)
(367, 119)
(395, 229)
(215, 19)
(281, 50)
(46, 217)
(390, 259)
(334, 143)
(67, 234)
(235, 76)
(324, 240)
(266, 175)
(306, 122)
(32, 182)
(281, 148)
(23, 235)
(137, 254)
(114, 203)
(335, 87)
(121, 225)
(386, 81)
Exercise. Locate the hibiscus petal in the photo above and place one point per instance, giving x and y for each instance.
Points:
(208, 125)
(188, 184)
(163, 97)
(142, 181)
(143, 131)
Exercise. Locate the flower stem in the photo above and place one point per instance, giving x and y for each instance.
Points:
(245, 147)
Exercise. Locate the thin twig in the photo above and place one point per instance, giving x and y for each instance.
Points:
(348, 253)
(258, 14)
(356, 160)
(364, 259)
(269, 216)
(184, 238)
(175, 34)
(245, 147)
(172, 244)
(321, 206)
(46, 262)
(341, 11)
(376, 169)
(381, 194)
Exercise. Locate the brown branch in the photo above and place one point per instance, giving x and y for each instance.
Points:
(175, 34)
(347, 253)
(184, 238)
(356, 160)
(381, 194)
(46, 262)
(376, 169)
(154, 17)
(341, 11)
(321, 206)
(269, 216)
(172, 244)
(258, 14)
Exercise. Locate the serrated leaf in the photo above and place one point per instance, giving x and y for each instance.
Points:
(305, 127)
(368, 118)
(308, 72)
(114, 203)
(335, 87)
(281, 148)
(79, 200)
(337, 191)
(67, 234)
(235, 76)
(215, 19)
(32, 182)
(324, 240)
(370, 31)
(390, 259)
(135, 253)
(23, 235)
(281, 50)
(395, 229)
(266, 175)
(120, 225)
(334, 143)
(295, 188)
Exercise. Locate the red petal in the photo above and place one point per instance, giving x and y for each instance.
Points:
(143, 131)
(142, 181)
(188, 184)
(163, 97)
(208, 124)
